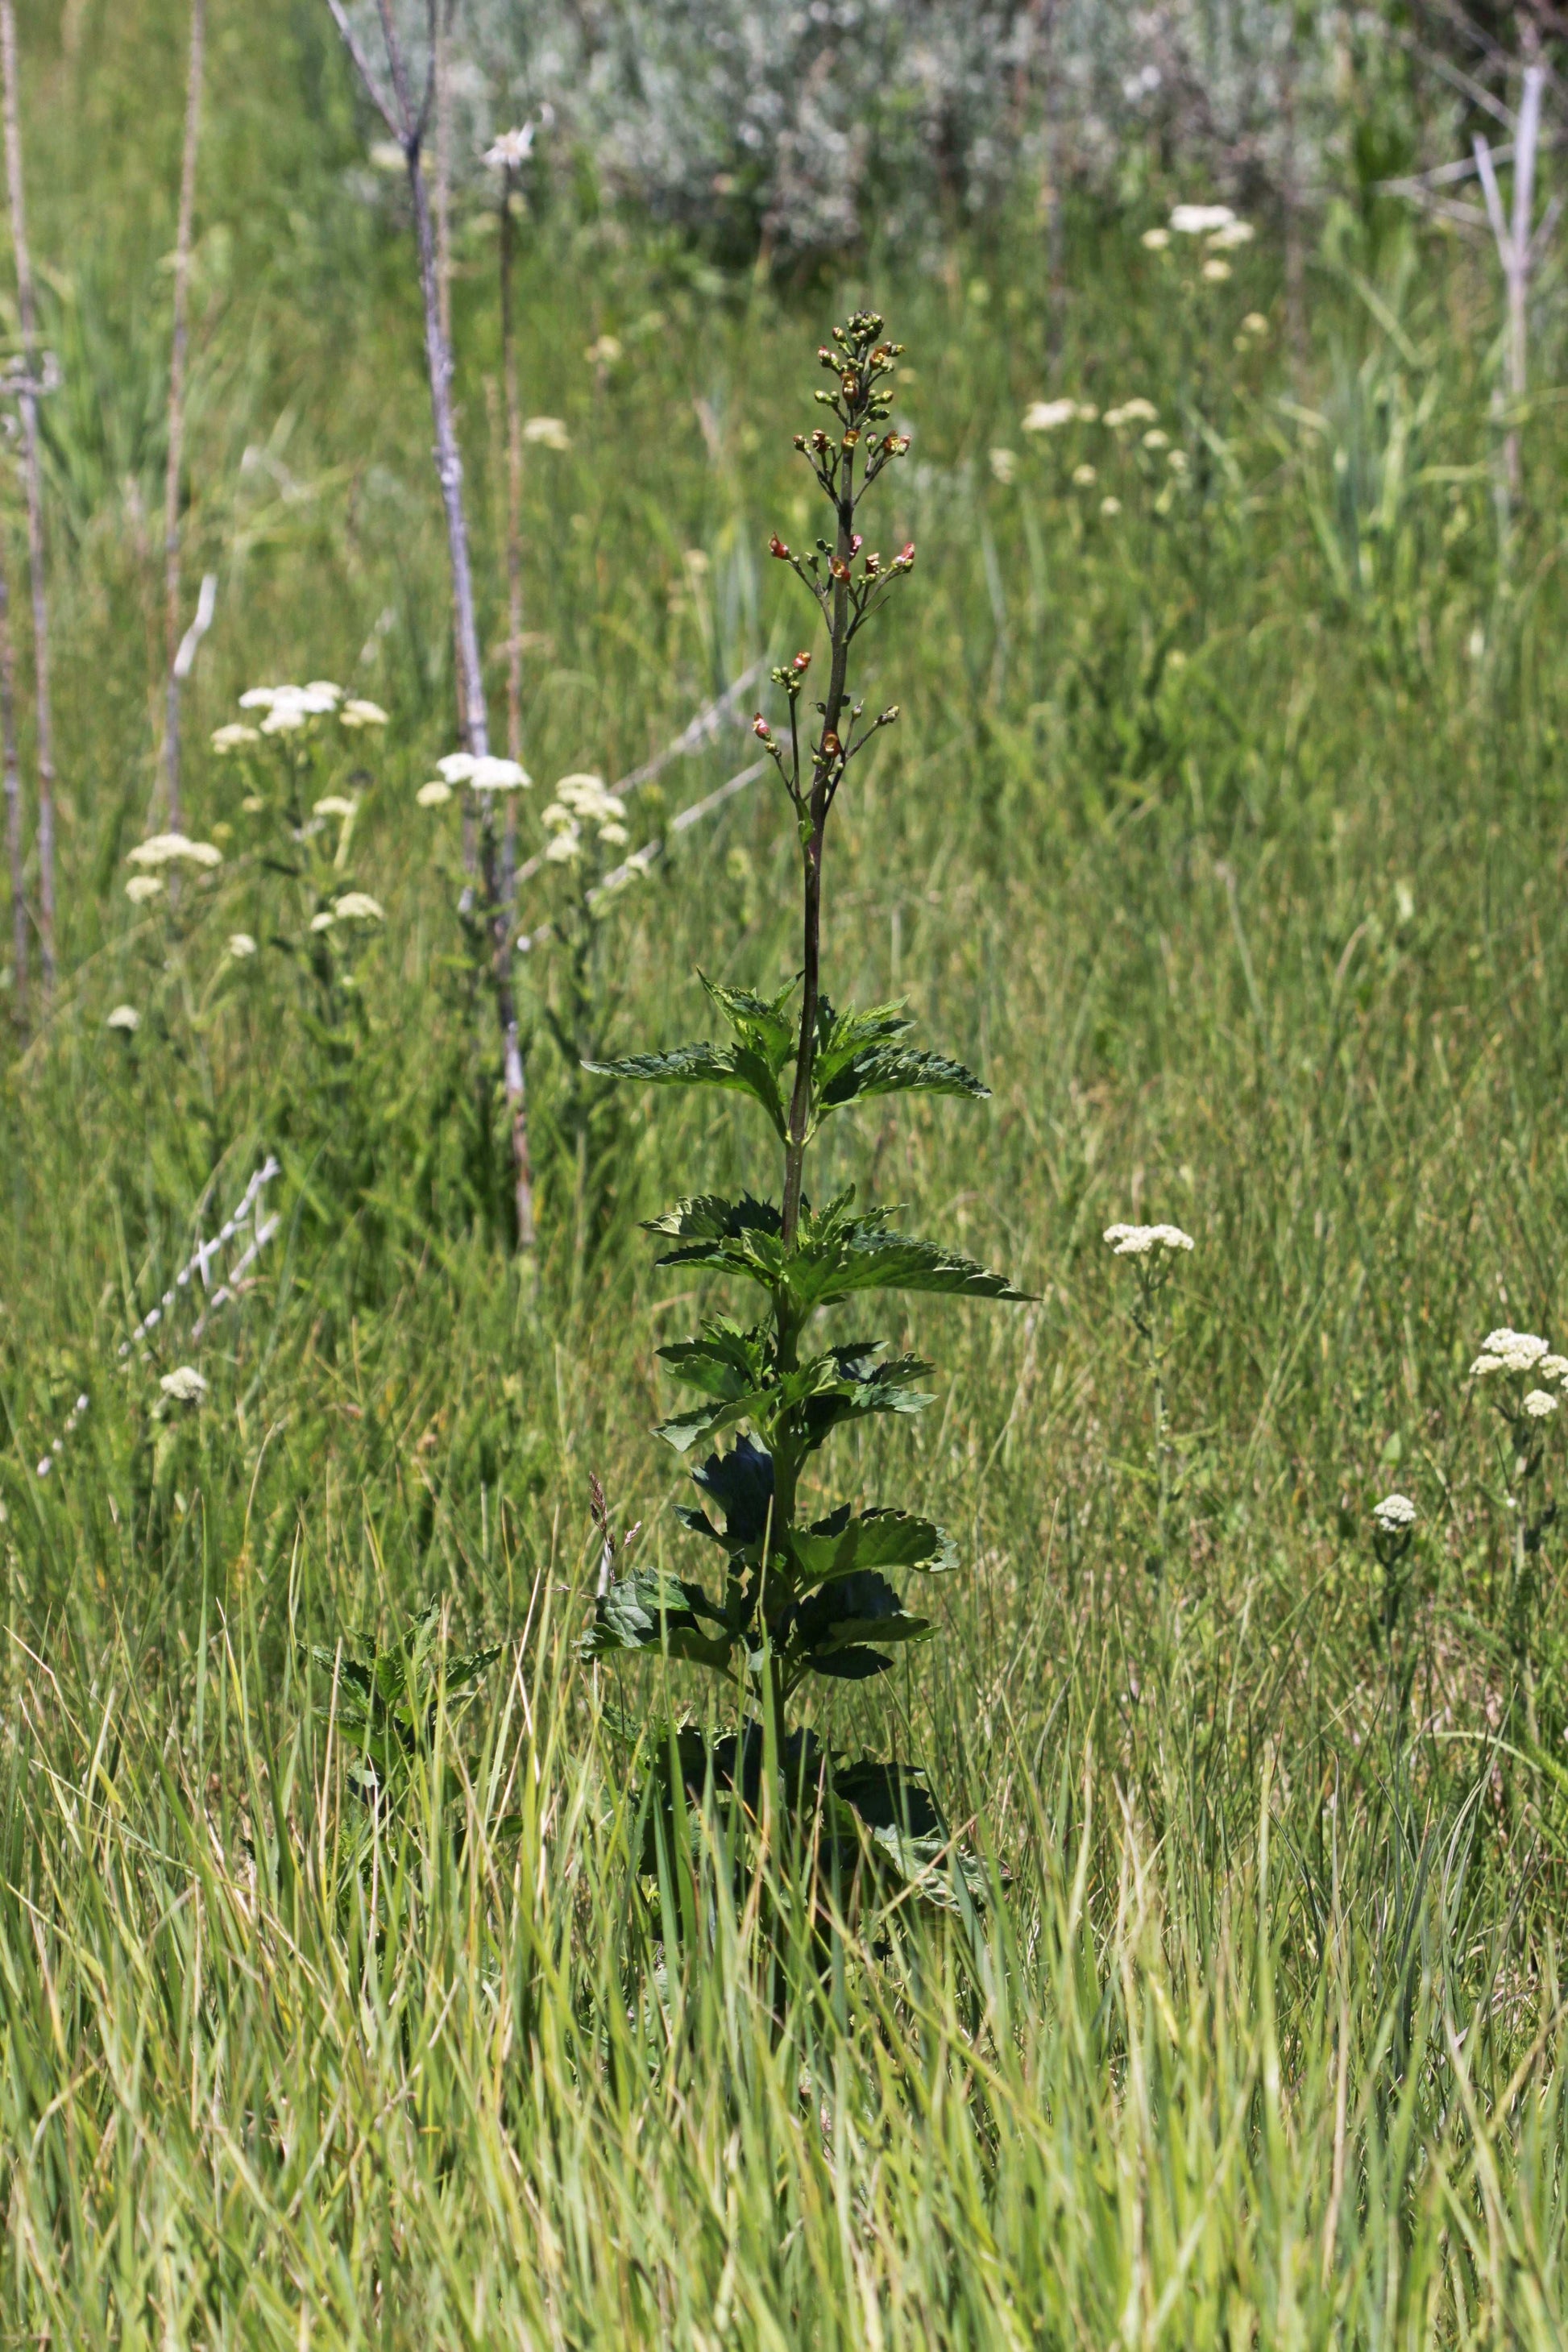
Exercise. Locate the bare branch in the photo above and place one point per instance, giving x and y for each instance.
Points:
(362, 67)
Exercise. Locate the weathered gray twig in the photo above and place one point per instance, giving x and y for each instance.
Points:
(33, 471)
(15, 844)
(172, 638)
(407, 123)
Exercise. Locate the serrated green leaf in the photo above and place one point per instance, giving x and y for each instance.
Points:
(838, 1256)
(897, 1069)
(651, 1611)
(840, 1546)
(704, 1064)
(829, 1626)
(741, 1484)
(760, 1022)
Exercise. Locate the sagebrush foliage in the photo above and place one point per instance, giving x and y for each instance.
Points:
(803, 1598)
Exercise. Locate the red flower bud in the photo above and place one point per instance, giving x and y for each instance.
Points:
(855, 543)
(907, 556)
(831, 745)
(761, 728)
(801, 661)
(776, 547)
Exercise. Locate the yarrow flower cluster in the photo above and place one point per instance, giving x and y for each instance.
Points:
(1049, 416)
(141, 888)
(185, 1384)
(175, 849)
(583, 800)
(124, 1018)
(1394, 1513)
(1506, 1350)
(1139, 1241)
(289, 708)
(486, 774)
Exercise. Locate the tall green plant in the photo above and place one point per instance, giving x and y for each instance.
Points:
(802, 1595)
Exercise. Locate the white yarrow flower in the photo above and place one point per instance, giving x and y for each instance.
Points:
(324, 920)
(1137, 411)
(175, 849)
(1156, 239)
(1217, 272)
(435, 794)
(1155, 439)
(1539, 1403)
(1553, 1367)
(233, 738)
(125, 1017)
(1137, 1241)
(1201, 220)
(547, 433)
(185, 1384)
(562, 848)
(1085, 477)
(358, 712)
(1506, 1350)
(358, 906)
(1046, 416)
(1395, 1513)
(1234, 233)
(142, 886)
(334, 804)
(241, 944)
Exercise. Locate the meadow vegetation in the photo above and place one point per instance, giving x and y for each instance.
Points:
(355, 1989)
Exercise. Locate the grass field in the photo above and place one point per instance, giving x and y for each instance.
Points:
(1224, 833)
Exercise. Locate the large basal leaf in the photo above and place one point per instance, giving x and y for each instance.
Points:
(741, 1484)
(652, 1611)
(829, 1627)
(908, 1835)
(704, 1063)
(840, 1546)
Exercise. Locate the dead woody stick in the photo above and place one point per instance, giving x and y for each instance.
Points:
(177, 412)
(408, 121)
(509, 151)
(28, 405)
(14, 845)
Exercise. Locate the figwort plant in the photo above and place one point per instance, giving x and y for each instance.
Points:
(803, 1596)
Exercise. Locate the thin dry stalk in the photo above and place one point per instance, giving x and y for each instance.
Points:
(14, 845)
(177, 410)
(408, 123)
(522, 1158)
(27, 404)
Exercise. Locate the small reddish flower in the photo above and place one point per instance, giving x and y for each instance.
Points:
(761, 728)
(801, 661)
(776, 547)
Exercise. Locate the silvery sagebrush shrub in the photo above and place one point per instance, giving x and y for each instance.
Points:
(805, 1593)
(797, 127)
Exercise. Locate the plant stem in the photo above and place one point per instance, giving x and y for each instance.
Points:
(826, 765)
(13, 772)
(32, 468)
(177, 413)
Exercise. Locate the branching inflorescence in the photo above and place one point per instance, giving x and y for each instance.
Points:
(803, 1595)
